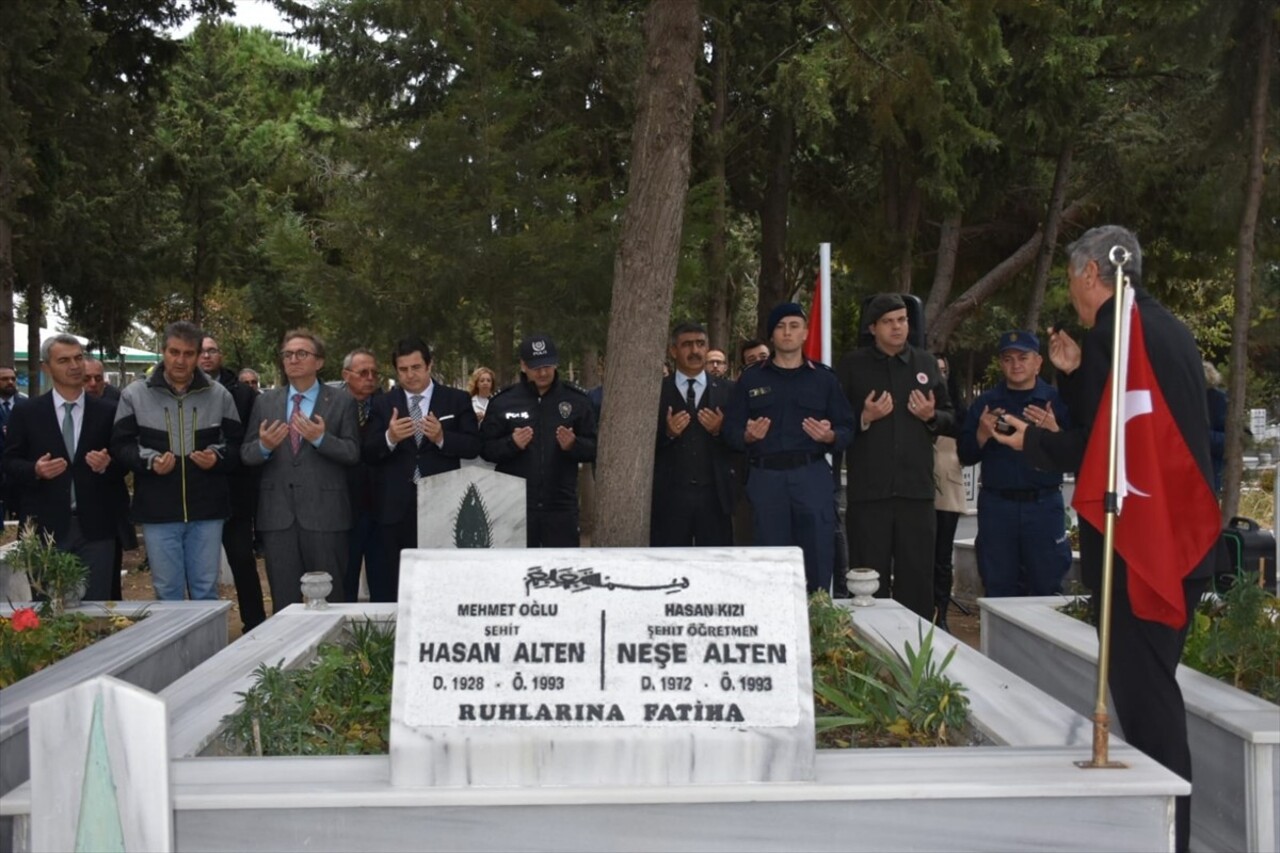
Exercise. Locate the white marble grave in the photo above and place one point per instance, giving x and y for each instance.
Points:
(100, 769)
(471, 508)
(594, 667)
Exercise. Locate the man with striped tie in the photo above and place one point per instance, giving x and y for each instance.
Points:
(418, 429)
(306, 439)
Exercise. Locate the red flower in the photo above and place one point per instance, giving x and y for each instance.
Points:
(24, 618)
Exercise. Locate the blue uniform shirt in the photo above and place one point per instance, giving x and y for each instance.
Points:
(787, 396)
(1003, 467)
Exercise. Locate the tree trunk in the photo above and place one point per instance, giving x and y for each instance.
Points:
(720, 297)
(35, 314)
(644, 272)
(774, 286)
(944, 325)
(1053, 218)
(906, 228)
(944, 274)
(504, 344)
(1244, 265)
(6, 272)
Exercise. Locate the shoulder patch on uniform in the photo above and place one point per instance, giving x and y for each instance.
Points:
(573, 386)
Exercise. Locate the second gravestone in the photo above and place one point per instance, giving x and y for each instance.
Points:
(614, 667)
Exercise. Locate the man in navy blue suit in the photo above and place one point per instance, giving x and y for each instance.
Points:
(418, 429)
(57, 453)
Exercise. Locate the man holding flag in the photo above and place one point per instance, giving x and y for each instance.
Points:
(1168, 520)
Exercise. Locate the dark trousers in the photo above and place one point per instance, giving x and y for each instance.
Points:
(1144, 686)
(97, 554)
(944, 541)
(553, 528)
(1022, 546)
(896, 538)
(293, 552)
(794, 507)
(365, 546)
(384, 584)
(690, 515)
(237, 539)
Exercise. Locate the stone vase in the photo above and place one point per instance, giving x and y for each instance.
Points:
(863, 583)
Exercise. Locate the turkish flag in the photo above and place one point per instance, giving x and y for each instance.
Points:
(813, 343)
(1168, 518)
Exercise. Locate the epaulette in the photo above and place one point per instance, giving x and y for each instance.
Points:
(573, 386)
(821, 365)
(503, 390)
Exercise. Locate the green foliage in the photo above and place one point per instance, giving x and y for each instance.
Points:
(866, 695)
(339, 704)
(1236, 638)
(56, 576)
(29, 643)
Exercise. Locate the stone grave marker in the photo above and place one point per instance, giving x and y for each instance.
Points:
(472, 507)
(100, 770)
(602, 667)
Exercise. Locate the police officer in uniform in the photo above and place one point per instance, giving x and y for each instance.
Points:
(901, 404)
(540, 429)
(1022, 542)
(788, 413)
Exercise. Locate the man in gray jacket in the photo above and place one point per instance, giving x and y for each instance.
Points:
(306, 437)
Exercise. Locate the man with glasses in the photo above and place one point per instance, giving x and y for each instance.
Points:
(306, 439)
(365, 547)
(717, 364)
(237, 532)
(418, 429)
(179, 433)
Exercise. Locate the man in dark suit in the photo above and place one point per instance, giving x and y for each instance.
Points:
(9, 397)
(95, 381)
(417, 429)
(57, 453)
(692, 476)
(365, 546)
(95, 385)
(307, 438)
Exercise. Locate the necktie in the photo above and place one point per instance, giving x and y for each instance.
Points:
(362, 412)
(690, 398)
(415, 412)
(295, 437)
(69, 439)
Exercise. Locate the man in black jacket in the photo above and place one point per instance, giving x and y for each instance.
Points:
(1144, 653)
(540, 429)
(57, 453)
(237, 531)
(692, 478)
(417, 429)
(900, 403)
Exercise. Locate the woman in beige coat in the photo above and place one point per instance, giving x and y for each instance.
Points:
(949, 504)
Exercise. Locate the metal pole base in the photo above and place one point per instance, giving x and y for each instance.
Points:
(1101, 741)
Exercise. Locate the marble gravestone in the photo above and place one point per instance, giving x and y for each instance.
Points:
(100, 769)
(602, 667)
(471, 507)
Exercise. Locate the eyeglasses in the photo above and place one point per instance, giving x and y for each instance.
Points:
(210, 351)
(295, 354)
(364, 374)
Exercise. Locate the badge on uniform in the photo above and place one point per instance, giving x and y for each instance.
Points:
(758, 392)
(922, 378)
(566, 409)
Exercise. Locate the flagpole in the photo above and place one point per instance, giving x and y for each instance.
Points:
(1101, 719)
(824, 272)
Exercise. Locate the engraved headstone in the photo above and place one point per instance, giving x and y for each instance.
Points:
(602, 666)
(471, 508)
(100, 769)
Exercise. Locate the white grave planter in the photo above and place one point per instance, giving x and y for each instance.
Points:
(174, 637)
(1025, 794)
(967, 583)
(1234, 736)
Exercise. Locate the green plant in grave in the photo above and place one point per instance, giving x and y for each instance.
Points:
(869, 695)
(1236, 638)
(340, 704)
(56, 576)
